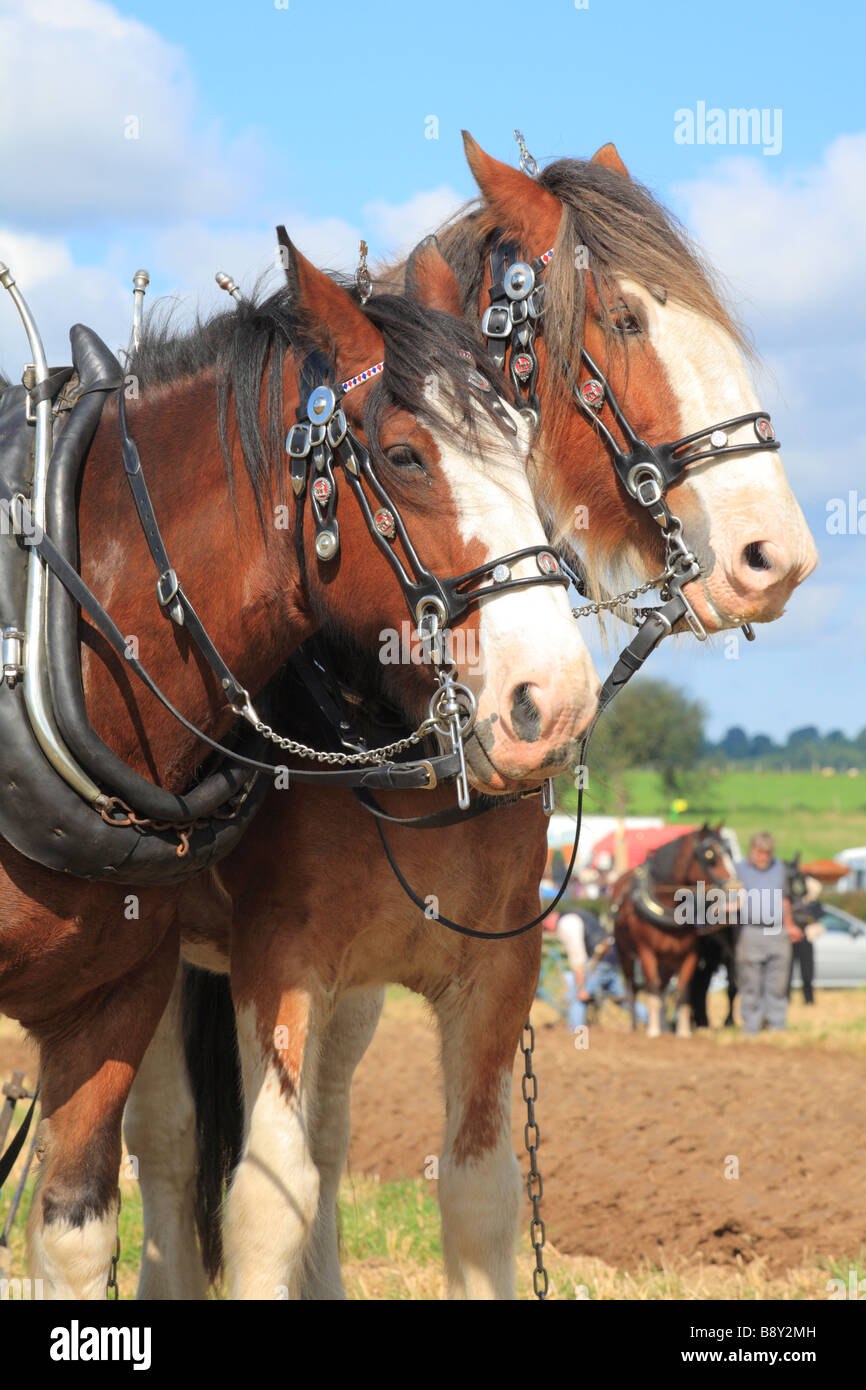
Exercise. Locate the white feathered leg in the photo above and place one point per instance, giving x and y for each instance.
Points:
(345, 1040)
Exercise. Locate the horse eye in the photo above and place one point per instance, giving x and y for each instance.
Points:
(404, 456)
(626, 322)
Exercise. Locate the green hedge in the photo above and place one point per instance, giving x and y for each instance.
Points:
(851, 902)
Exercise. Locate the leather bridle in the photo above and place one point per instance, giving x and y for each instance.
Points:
(323, 438)
(646, 471)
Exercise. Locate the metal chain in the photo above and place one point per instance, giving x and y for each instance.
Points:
(431, 639)
(678, 558)
(532, 1139)
(290, 745)
(610, 603)
(112, 1271)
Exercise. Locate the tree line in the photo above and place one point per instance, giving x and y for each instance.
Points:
(652, 724)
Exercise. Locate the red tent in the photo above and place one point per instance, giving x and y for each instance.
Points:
(638, 843)
(827, 870)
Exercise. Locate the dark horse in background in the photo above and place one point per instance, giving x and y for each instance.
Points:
(721, 947)
(661, 909)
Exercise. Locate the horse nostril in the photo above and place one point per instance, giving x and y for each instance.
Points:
(525, 715)
(756, 557)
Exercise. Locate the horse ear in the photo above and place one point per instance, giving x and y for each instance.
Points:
(430, 279)
(518, 204)
(608, 157)
(329, 312)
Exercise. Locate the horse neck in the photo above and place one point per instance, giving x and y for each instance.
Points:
(239, 572)
(676, 874)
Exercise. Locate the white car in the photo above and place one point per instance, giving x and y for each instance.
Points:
(840, 952)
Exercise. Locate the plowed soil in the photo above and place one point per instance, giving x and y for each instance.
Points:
(639, 1134)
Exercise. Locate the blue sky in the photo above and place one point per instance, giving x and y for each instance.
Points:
(315, 114)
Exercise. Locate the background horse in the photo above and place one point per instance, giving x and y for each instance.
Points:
(321, 970)
(659, 911)
(87, 968)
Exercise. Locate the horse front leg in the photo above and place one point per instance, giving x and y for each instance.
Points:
(627, 962)
(479, 1177)
(88, 1060)
(160, 1132)
(683, 1007)
(274, 1195)
(655, 992)
(346, 1038)
(731, 967)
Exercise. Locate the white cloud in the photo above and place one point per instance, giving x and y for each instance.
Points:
(59, 293)
(793, 249)
(398, 227)
(183, 257)
(792, 245)
(73, 78)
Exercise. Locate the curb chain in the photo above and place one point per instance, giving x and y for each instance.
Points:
(532, 1139)
(289, 745)
(589, 609)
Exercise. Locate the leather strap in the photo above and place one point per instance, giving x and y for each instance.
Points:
(169, 592)
(46, 390)
(7, 1162)
(438, 820)
(458, 927)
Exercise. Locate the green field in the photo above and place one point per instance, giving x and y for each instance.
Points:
(806, 812)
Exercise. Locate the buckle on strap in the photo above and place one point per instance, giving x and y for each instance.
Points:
(432, 779)
(167, 586)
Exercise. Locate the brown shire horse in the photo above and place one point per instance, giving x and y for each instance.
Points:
(311, 946)
(661, 909)
(86, 980)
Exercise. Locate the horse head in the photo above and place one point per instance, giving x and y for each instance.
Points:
(623, 284)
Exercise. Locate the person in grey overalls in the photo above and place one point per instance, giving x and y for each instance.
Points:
(767, 930)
